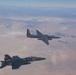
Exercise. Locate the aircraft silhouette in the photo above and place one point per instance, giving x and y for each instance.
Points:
(41, 36)
(16, 61)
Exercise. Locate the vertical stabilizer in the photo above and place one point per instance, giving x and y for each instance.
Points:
(7, 58)
(28, 33)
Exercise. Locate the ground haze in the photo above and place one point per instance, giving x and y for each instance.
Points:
(60, 54)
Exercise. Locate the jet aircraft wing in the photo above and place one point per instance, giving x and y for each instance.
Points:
(16, 58)
(42, 37)
(16, 65)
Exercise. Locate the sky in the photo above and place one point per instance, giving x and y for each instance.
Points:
(40, 3)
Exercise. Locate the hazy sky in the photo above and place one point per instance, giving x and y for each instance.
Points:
(40, 3)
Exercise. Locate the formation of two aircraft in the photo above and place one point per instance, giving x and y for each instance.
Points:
(16, 61)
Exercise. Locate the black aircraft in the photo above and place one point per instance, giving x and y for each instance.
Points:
(16, 61)
(41, 36)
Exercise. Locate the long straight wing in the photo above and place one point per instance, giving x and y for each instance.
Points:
(42, 37)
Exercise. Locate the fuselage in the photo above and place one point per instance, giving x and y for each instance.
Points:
(48, 36)
(21, 61)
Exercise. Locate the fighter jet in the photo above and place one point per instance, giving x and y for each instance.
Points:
(16, 61)
(41, 36)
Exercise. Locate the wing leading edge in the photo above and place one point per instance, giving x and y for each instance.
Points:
(42, 37)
